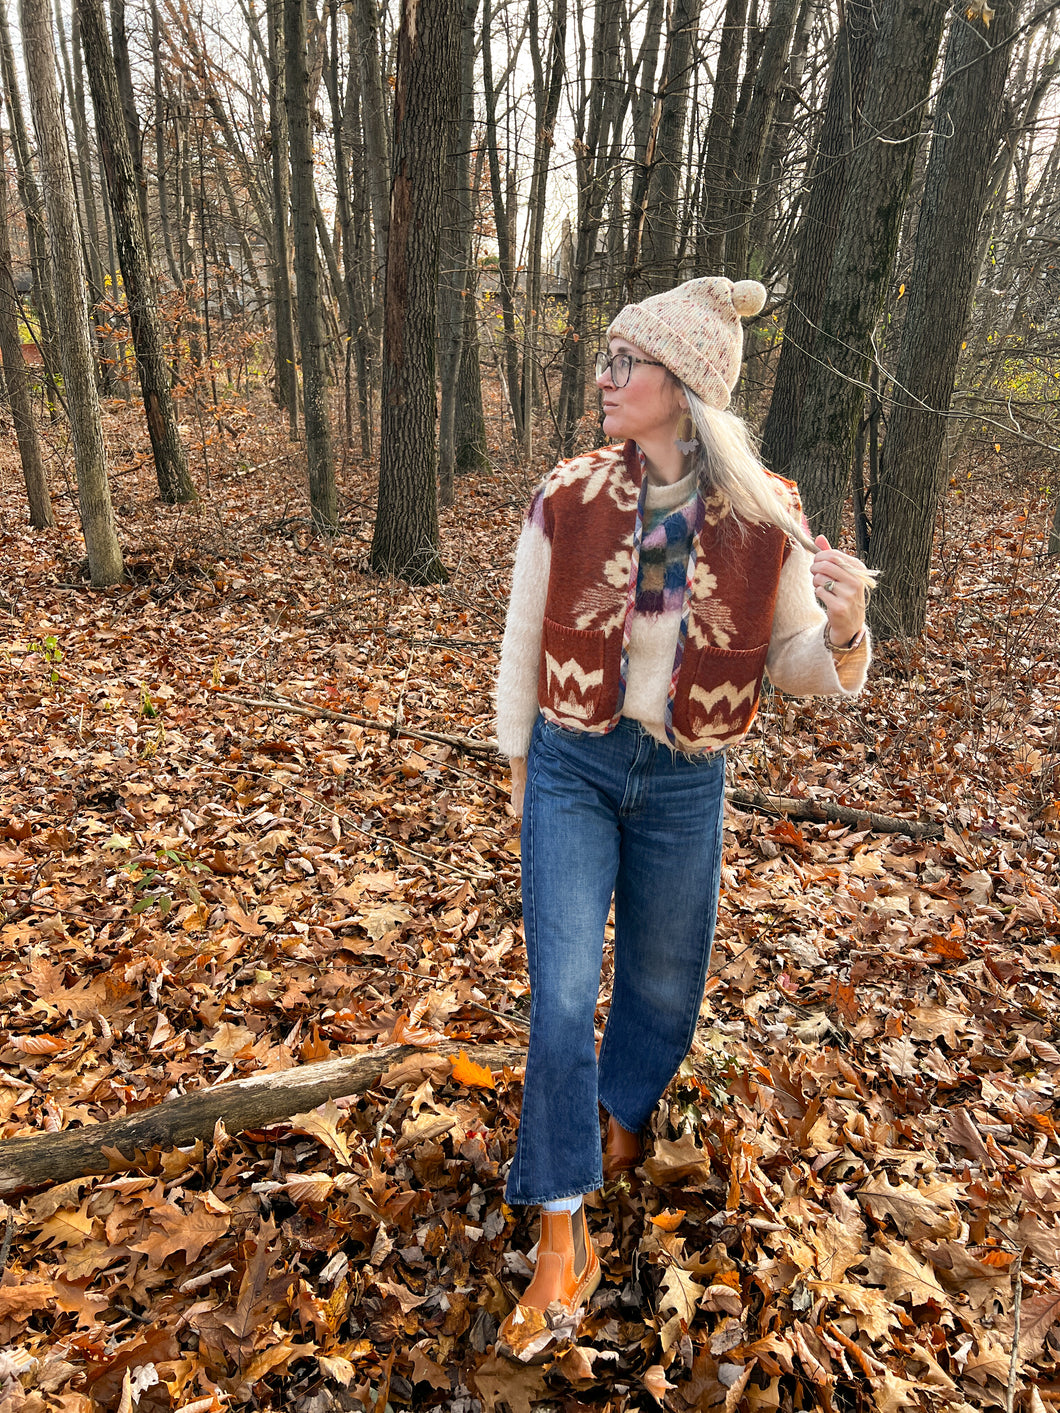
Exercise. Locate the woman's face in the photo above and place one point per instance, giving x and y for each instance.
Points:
(650, 405)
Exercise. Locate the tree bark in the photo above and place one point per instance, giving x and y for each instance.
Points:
(662, 199)
(40, 504)
(453, 285)
(405, 540)
(504, 219)
(717, 157)
(32, 205)
(366, 52)
(754, 135)
(161, 166)
(283, 302)
(547, 90)
(127, 102)
(252, 1103)
(470, 429)
(322, 494)
(97, 515)
(171, 464)
(823, 202)
(946, 265)
(881, 170)
(603, 100)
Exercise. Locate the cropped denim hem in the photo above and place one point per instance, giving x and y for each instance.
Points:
(619, 816)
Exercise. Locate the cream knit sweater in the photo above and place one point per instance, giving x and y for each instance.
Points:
(798, 662)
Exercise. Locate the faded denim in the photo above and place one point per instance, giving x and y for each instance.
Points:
(615, 814)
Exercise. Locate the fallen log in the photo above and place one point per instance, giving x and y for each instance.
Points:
(40, 1160)
(821, 812)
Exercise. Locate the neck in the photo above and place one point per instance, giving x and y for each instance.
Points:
(663, 463)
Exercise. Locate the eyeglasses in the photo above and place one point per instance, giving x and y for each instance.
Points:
(620, 366)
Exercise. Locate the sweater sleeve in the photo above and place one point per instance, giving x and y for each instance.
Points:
(517, 704)
(798, 661)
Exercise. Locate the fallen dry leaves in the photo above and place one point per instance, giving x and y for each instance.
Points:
(852, 1199)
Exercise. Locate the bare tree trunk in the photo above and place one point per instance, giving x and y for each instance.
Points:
(283, 302)
(717, 156)
(967, 124)
(405, 540)
(171, 464)
(819, 229)
(662, 213)
(754, 134)
(161, 168)
(453, 286)
(360, 273)
(322, 495)
(606, 98)
(881, 170)
(40, 504)
(366, 52)
(504, 218)
(763, 254)
(127, 100)
(546, 106)
(32, 205)
(75, 341)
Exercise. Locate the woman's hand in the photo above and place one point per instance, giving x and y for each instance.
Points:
(518, 765)
(837, 585)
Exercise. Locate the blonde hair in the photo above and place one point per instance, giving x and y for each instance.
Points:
(727, 462)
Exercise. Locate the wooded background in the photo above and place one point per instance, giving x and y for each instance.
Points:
(363, 209)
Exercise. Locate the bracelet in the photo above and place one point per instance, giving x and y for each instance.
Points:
(841, 651)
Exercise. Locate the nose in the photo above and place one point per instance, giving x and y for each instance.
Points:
(605, 379)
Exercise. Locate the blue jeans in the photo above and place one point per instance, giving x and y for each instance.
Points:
(618, 815)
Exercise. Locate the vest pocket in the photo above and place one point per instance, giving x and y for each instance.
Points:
(721, 698)
(572, 671)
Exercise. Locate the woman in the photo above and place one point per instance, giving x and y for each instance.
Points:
(654, 583)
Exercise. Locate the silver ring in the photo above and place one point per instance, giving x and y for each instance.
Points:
(829, 586)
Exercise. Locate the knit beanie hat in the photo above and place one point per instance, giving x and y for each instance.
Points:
(695, 331)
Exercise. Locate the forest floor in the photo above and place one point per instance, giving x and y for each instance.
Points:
(852, 1199)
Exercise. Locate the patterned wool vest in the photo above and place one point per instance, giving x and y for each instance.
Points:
(587, 508)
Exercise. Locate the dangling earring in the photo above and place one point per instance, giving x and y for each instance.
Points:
(686, 441)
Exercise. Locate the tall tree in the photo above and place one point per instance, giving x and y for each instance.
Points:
(405, 541)
(967, 126)
(717, 181)
(454, 289)
(504, 219)
(171, 463)
(662, 199)
(40, 504)
(754, 135)
(601, 98)
(311, 338)
(75, 336)
(547, 87)
(855, 45)
(869, 227)
(280, 174)
(32, 202)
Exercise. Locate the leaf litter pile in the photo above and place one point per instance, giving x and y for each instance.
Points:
(852, 1197)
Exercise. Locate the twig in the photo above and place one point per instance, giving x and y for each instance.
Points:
(481, 750)
(1017, 1302)
(838, 814)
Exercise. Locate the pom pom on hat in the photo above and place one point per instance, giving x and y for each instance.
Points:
(748, 297)
(695, 331)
